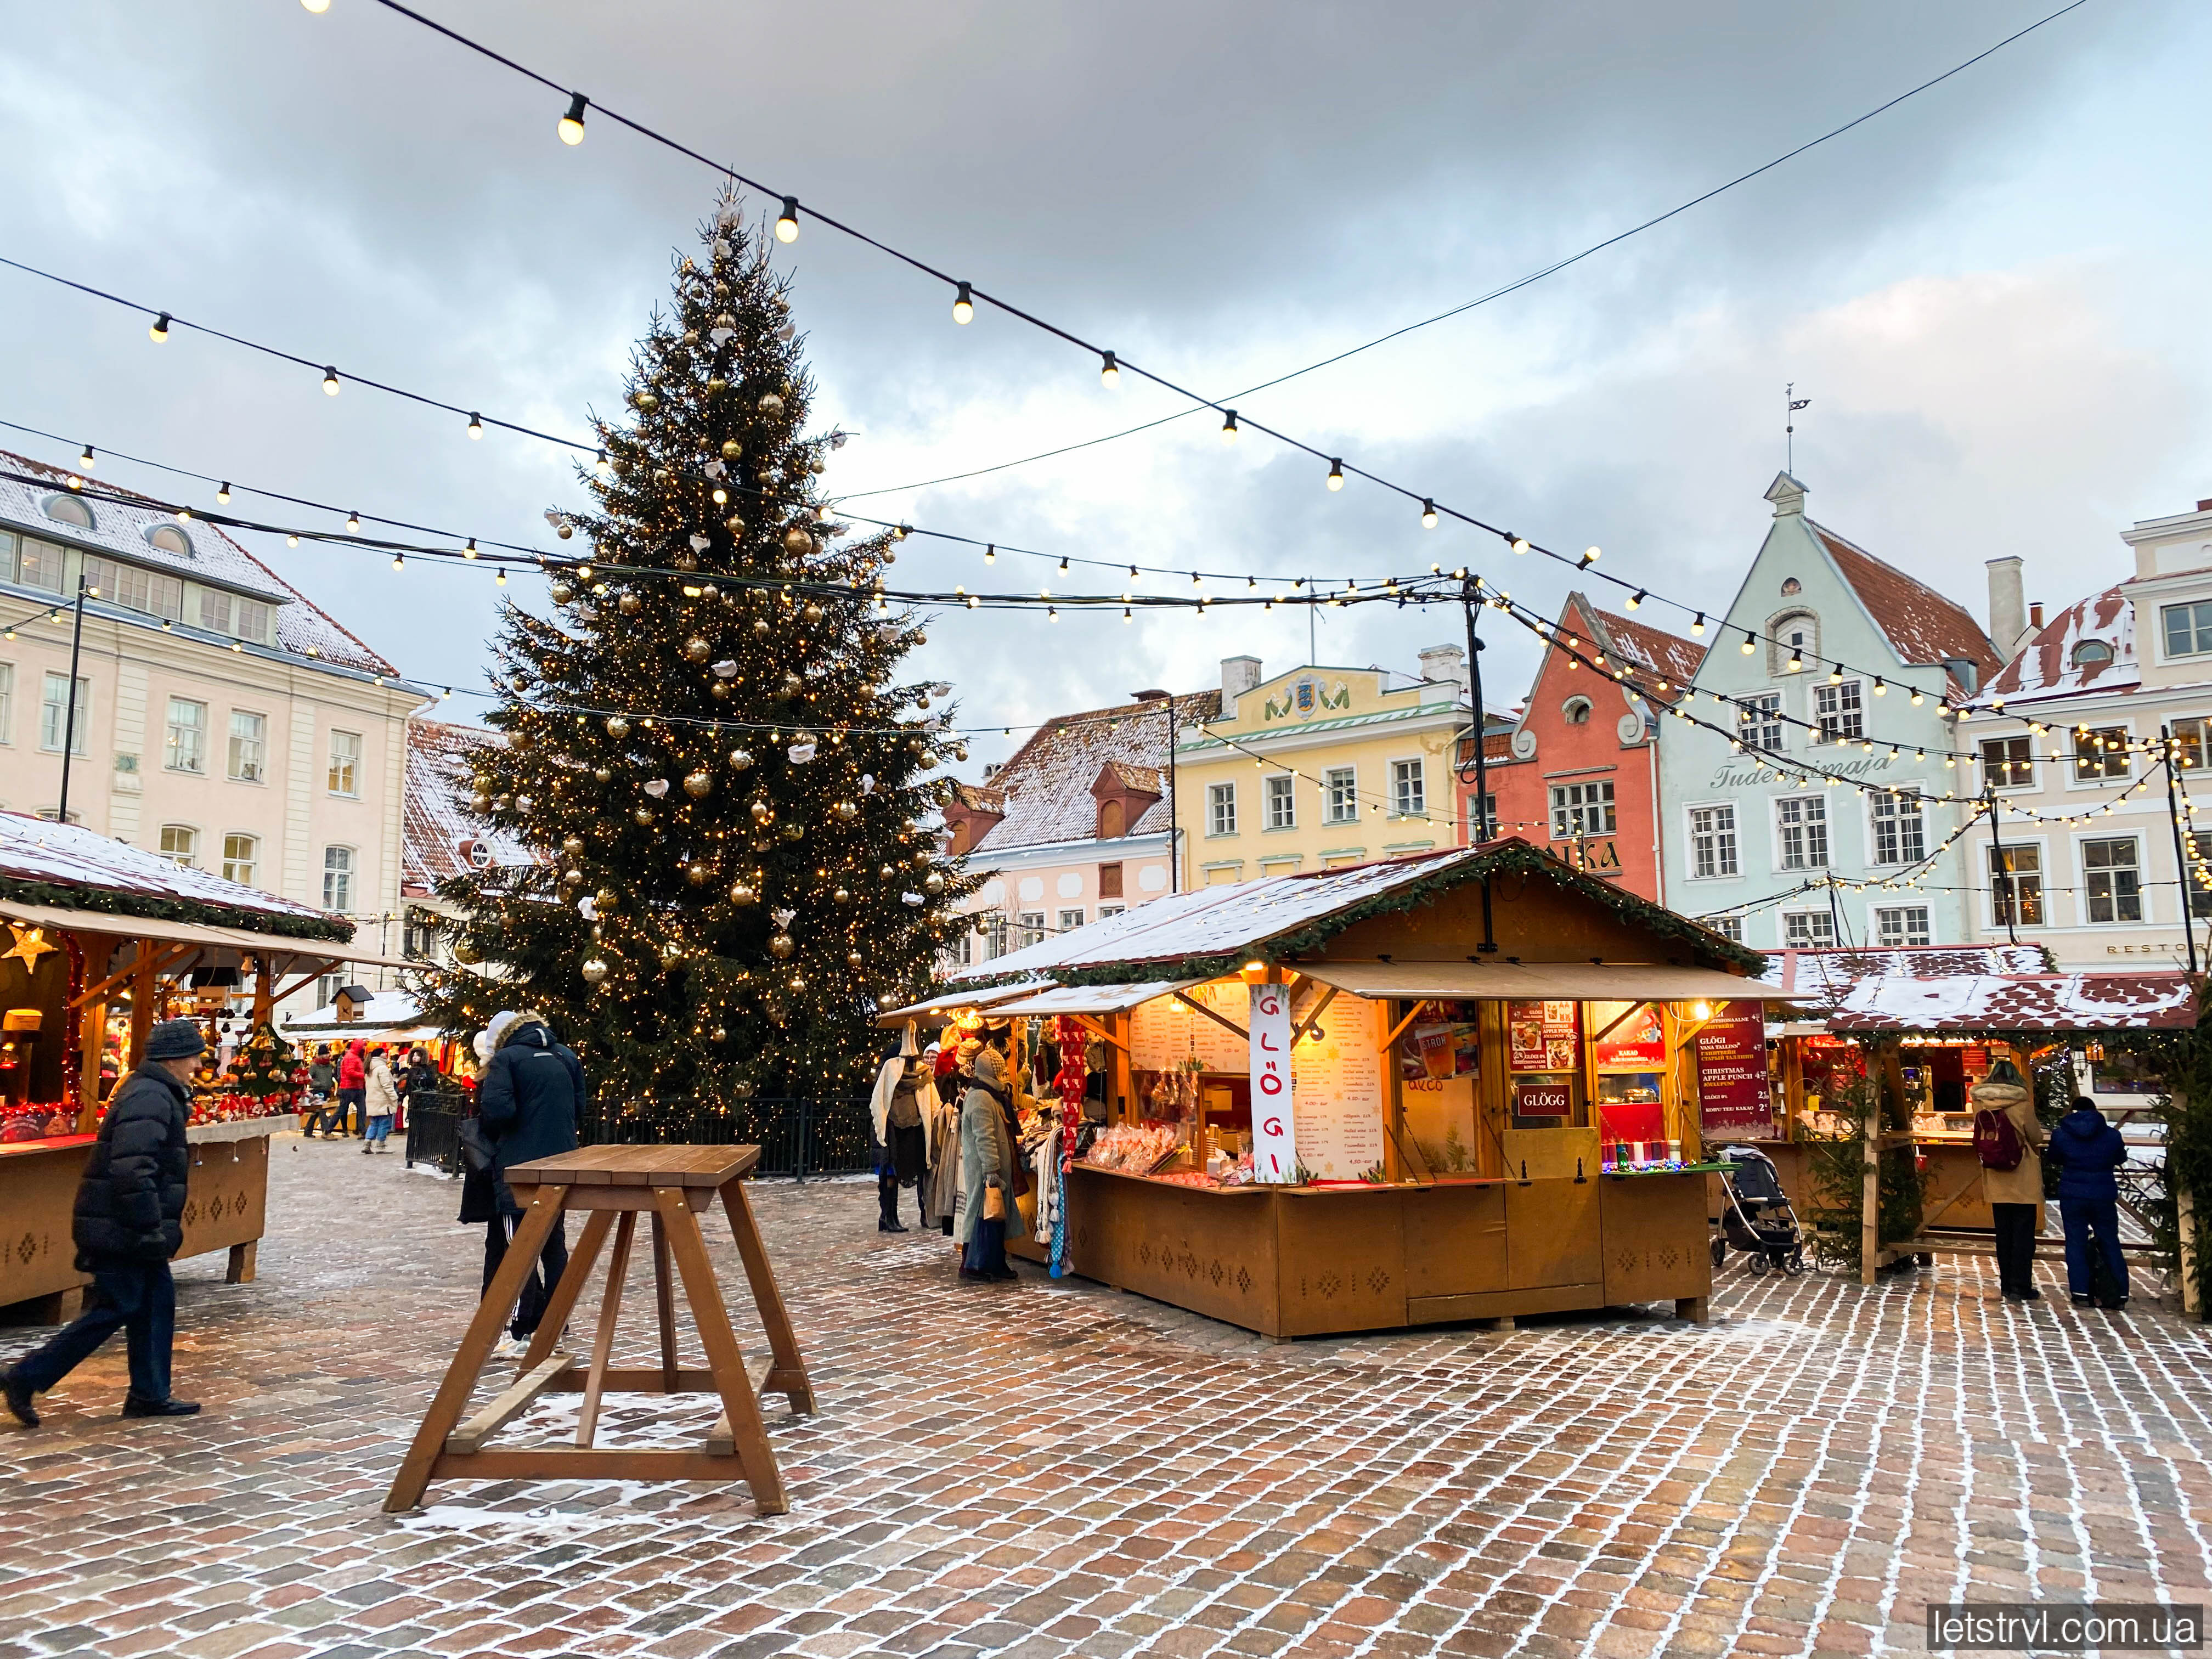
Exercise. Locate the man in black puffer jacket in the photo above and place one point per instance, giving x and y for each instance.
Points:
(129, 1221)
(529, 1098)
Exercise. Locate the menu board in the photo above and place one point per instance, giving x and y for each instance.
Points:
(1274, 1115)
(1732, 1086)
(1338, 1083)
(1542, 1036)
(1164, 1033)
(1442, 1042)
(1635, 1044)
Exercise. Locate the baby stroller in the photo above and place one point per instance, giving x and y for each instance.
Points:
(1757, 1219)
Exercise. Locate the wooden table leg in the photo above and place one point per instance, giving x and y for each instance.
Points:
(562, 1301)
(452, 1395)
(789, 1378)
(239, 1269)
(749, 1434)
(664, 1301)
(610, 1310)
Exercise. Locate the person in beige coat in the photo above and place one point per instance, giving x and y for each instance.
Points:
(2014, 1193)
(382, 1102)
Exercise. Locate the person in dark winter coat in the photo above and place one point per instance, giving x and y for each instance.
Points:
(529, 1100)
(129, 1222)
(2086, 1150)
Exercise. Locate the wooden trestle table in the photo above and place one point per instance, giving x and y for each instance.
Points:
(613, 1185)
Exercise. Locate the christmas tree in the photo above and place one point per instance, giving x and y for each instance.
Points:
(707, 744)
(266, 1069)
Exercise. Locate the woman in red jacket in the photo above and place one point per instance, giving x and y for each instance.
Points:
(352, 1089)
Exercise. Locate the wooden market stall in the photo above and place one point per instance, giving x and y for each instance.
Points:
(102, 941)
(1479, 1086)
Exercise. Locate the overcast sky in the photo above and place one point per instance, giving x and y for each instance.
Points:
(1994, 295)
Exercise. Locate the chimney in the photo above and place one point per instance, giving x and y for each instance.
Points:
(1446, 664)
(2007, 611)
(1237, 674)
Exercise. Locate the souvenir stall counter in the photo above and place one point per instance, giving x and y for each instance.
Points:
(1467, 1086)
(102, 941)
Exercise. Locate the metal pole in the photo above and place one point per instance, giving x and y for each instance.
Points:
(2180, 862)
(2001, 881)
(1175, 844)
(1469, 586)
(68, 724)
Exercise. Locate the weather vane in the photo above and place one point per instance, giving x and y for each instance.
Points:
(1790, 426)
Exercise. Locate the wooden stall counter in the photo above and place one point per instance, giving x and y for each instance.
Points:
(226, 1208)
(1312, 1261)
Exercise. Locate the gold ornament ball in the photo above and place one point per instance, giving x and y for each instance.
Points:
(798, 982)
(698, 873)
(618, 727)
(740, 759)
(731, 449)
(720, 1033)
(794, 832)
(724, 319)
(628, 604)
(561, 592)
(607, 900)
(519, 741)
(480, 804)
(564, 529)
(888, 873)
(759, 624)
(796, 540)
(781, 947)
(812, 612)
(573, 846)
(742, 1090)
(770, 403)
(594, 970)
(602, 775)
(763, 812)
(646, 401)
(699, 785)
(671, 952)
(842, 895)
(933, 884)
(572, 878)
(464, 952)
(792, 685)
(716, 384)
(697, 649)
(854, 958)
(643, 815)
(720, 689)
(846, 811)
(741, 894)
(734, 525)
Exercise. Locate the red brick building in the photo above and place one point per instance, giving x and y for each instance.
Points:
(1579, 770)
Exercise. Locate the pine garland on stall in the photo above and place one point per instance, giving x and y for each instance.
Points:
(726, 893)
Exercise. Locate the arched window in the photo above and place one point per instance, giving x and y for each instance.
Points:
(1575, 711)
(241, 856)
(2091, 652)
(337, 879)
(180, 844)
(170, 539)
(68, 509)
(1110, 817)
(1795, 635)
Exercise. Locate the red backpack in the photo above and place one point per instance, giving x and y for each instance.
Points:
(1996, 1140)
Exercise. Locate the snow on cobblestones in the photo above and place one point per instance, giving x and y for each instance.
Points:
(1055, 1468)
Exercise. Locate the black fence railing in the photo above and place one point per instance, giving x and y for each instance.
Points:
(798, 1136)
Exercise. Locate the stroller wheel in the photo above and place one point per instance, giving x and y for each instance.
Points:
(1720, 1250)
(1795, 1264)
(1758, 1262)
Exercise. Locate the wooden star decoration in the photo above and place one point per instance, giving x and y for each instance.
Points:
(30, 946)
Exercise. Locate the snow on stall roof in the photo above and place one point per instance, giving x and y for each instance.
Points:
(2049, 665)
(120, 527)
(436, 820)
(68, 854)
(2137, 1000)
(386, 1009)
(1045, 786)
(1830, 973)
(1923, 625)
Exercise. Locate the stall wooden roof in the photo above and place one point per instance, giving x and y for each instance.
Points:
(1566, 982)
(1091, 998)
(972, 997)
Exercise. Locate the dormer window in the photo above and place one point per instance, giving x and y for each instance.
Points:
(2091, 653)
(170, 539)
(68, 509)
(1794, 637)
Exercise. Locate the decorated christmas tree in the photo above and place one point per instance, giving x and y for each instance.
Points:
(708, 742)
(265, 1073)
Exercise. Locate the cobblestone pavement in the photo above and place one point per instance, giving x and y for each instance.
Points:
(1047, 1469)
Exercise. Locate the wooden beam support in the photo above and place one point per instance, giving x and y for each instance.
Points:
(518, 1398)
(1227, 1025)
(167, 956)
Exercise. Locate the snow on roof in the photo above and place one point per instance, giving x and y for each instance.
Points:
(1044, 787)
(121, 526)
(1651, 649)
(435, 820)
(2054, 664)
(2137, 1000)
(70, 855)
(386, 1009)
(1830, 973)
(1923, 625)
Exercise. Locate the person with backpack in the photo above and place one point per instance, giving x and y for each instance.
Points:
(2087, 1150)
(528, 1104)
(2008, 1137)
(322, 1082)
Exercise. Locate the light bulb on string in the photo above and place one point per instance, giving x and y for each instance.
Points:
(1636, 600)
(787, 222)
(291, 541)
(1109, 371)
(1229, 428)
(331, 382)
(353, 521)
(1336, 475)
(1697, 627)
(470, 551)
(1428, 515)
(222, 495)
(159, 333)
(85, 460)
(501, 578)
(318, 7)
(399, 562)
(571, 127)
(964, 305)
(1749, 645)
(475, 425)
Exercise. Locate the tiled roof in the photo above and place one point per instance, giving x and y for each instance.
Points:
(1142, 780)
(70, 856)
(1830, 973)
(1653, 650)
(2139, 999)
(2046, 666)
(1045, 786)
(121, 526)
(435, 820)
(1923, 625)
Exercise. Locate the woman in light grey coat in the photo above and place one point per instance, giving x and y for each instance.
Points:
(986, 1165)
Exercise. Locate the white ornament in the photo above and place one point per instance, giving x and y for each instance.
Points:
(701, 544)
(727, 218)
(801, 753)
(784, 333)
(836, 441)
(722, 247)
(910, 898)
(657, 787)
(722, 337)
(727, 669)
(783, 919)
(588, 908)
(867, 783)
(715, 469)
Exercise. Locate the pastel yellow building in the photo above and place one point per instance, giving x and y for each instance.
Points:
(1319, 767)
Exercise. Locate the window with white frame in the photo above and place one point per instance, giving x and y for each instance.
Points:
(2016, 886)
(1106, 910)
(1758, 720)
(2007, 763)
(1340, 788)
(1901, 828)
(1582, 809)
(180, 845)
(1801, 832)
(1070, 921)
(2187, 627)
(241, 857)
(1031, 923)
(249, 745)
(1409, 790)
(1282, 805)
(1712, 841)
(345, 763)
(1898, 925)
(186, 747)
(1808, 930)
(2189, 739)
(1727, 927)
(338, 879)
(38, 564)
(1839, 712)
(995, 935)
(1220, 808)
(2100, 753)
(54, 714)
(2111, 879)
(1481, 819)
